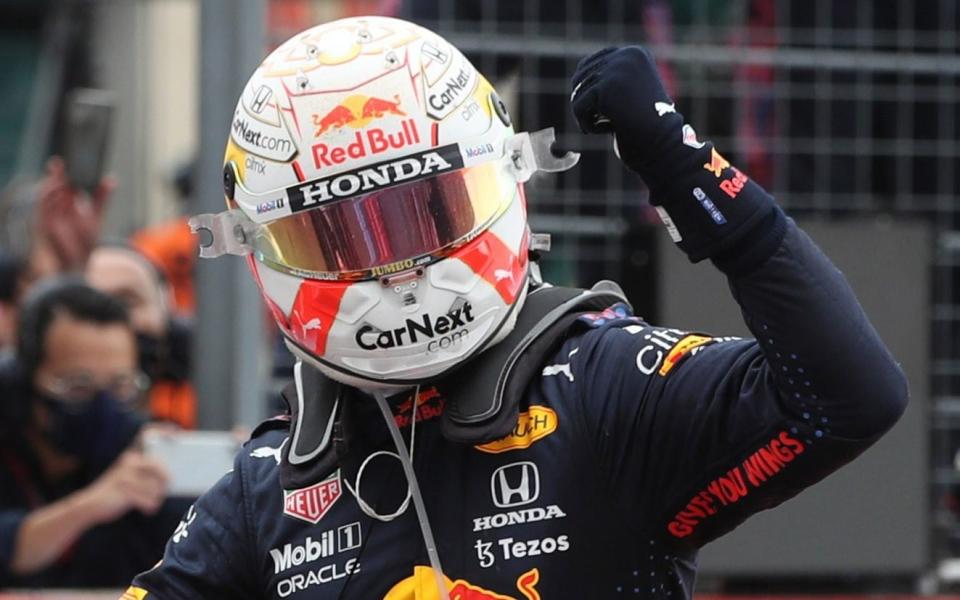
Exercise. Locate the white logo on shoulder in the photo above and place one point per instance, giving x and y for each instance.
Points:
(561, 368)
(268, 452)
(664, 108)
(181, 531)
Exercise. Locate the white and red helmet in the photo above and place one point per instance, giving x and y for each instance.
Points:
(374, 181)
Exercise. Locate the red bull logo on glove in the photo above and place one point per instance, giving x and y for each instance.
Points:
(422, 586)
(717, 163)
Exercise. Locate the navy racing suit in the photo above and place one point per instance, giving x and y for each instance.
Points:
(635, 446)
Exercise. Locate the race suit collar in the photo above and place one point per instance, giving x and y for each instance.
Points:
(482, 402)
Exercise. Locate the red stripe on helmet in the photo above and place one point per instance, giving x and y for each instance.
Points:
(298, 171)
(497, 263)
(314, 313)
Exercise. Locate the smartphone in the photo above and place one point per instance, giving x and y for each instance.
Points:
(195, 459)
(89, 120)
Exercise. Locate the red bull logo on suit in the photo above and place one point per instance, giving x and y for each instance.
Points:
(422, 586)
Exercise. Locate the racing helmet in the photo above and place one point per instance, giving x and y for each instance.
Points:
(374, 182)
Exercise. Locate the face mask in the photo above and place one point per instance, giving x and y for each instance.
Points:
(166, 358)
(152, 354)
(96, 431)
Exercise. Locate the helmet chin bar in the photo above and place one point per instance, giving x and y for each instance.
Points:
(370, 384)
(232, 231)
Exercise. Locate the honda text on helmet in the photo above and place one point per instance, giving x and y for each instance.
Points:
(375, 182)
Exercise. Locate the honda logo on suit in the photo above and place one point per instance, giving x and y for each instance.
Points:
(515, 484)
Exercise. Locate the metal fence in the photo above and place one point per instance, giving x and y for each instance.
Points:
(839, 108)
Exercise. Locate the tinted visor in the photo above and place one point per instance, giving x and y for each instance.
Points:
(388, 230)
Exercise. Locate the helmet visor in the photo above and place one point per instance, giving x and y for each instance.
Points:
(389, 230)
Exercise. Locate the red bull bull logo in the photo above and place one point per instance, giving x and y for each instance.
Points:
(429, 406)
(359, 112)
(422, 586)
(717, 163)
(356, 111)
(134, 593)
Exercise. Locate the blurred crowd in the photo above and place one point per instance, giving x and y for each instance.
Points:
(94, 351)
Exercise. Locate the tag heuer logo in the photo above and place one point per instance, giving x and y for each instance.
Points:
(312, 503)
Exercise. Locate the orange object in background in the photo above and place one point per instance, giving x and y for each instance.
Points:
(173, 249)
(174, 401)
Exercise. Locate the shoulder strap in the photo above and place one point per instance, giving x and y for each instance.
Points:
(483, 401)
(310, 454)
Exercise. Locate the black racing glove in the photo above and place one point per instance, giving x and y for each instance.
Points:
(711, 208)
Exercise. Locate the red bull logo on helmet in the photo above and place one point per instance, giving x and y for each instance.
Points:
(356, 112)
(422, 586)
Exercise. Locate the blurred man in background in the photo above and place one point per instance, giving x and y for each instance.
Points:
(163, 340)
(74, 493)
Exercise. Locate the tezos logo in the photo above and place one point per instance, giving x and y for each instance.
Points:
(451, 328)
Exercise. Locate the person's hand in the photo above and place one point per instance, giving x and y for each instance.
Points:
(133, 482)
(618, 90)
(69, 220)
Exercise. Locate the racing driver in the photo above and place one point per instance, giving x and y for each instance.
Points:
(459, 428)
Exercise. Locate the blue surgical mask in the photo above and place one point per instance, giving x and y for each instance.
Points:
(95, 431)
